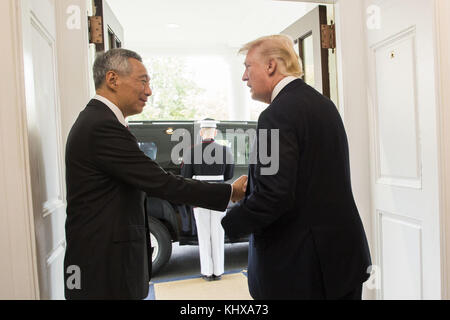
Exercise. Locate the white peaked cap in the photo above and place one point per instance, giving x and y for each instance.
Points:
(208, 123)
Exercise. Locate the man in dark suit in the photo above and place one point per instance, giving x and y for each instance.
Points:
(307, 238)
(107, 178)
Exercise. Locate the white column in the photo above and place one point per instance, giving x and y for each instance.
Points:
(238, 108)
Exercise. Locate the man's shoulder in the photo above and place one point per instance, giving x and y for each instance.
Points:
(96, 111)
(298, 95)
(96, 106)
(292, 91)
(94, 116)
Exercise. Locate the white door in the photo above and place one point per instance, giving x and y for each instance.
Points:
(44, 140)
(316, 52)
(113, 33)
(306, 32)
(402, 100)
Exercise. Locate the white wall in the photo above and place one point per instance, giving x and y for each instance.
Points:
(75, 81)
(238, 108)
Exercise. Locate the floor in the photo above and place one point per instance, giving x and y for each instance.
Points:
(185, 261)
(180, 278)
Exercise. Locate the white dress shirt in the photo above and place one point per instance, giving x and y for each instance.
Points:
(280, 86)
(114, 108)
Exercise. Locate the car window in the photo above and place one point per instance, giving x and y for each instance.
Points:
(239, 141)
(149, 148)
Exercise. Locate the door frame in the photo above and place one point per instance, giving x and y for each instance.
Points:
(442, 26)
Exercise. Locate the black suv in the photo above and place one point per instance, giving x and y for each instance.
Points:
(172, 222)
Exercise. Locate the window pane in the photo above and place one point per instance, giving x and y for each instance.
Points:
(239, 143)
(149, 148)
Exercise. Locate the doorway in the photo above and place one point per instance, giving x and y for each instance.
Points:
(377, 184)
(199, 42)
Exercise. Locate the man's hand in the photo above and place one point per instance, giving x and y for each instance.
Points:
(239, 187)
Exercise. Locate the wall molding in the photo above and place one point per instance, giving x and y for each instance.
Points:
(400, 220)
(57, 201)
(413, 181)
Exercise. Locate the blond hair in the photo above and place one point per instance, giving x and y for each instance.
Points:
(281, 48)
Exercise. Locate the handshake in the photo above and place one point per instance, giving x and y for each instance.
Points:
(238, 189)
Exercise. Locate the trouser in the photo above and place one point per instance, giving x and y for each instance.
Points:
(211, 238)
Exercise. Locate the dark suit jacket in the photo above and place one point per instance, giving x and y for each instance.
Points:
(107, 177)
(303, 220)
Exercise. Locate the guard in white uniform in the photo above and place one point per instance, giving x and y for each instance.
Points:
(211, 236)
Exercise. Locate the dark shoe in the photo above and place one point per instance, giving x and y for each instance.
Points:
(216, 278)
(208, 278)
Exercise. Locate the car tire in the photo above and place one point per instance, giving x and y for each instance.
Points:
(161, 242)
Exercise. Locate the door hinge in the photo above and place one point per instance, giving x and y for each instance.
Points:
(328, 36)
(95, 29)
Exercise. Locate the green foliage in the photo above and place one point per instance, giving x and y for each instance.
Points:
(176, 96)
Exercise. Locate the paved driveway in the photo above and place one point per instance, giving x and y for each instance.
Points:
(185, 261)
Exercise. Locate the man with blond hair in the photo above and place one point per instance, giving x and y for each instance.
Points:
(307, 239)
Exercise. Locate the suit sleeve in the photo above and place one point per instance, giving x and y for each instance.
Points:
(116, 153)
(273, 194)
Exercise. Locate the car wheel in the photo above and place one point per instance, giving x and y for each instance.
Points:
(161, 244)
